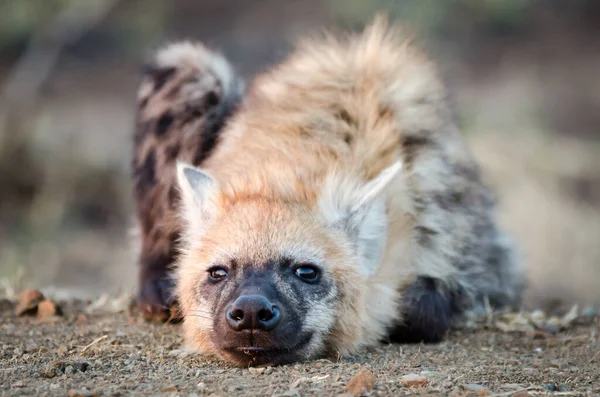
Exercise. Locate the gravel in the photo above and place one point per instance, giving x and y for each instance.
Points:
(117, 354)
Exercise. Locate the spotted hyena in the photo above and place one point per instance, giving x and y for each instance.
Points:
(332, 206)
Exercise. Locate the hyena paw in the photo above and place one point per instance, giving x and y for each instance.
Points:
(156, 301)
(427, 311)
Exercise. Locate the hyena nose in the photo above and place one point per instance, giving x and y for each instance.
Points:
(252, 312)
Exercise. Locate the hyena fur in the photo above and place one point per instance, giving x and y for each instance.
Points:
(332, 206)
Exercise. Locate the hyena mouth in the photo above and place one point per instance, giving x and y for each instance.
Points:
(263, 355)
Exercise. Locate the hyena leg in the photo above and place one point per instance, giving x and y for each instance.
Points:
(428, 309)
(186, 94)
(489, 275)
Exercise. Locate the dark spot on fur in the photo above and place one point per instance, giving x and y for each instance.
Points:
(348, 139)
(304, 132)
(469, 171)
(171, 152)
(425, 236)
(457, 198)
(163, 124)
(173, 197)
(145, 176)
(411, 145)
(161, 76)
(142, 104)
(209, 142)
(212, 99)
(344, 115)
(387, 152)
(385, 113)
(419, 203)
(428, 309)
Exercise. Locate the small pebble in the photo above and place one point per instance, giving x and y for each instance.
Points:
(18, 385)
(48, 308)
(256, 371)
(81, 319)
(414, 380)
(550, 387)
(478, 389)
(62, 350)
(28, 302)
(563, 387)
(363, 381)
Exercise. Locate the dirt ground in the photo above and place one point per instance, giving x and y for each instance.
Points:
(104, 348)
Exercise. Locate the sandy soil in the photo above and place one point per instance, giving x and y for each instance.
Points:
(108, 350)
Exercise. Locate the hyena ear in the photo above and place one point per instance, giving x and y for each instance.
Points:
(359, 210)
(197, 189)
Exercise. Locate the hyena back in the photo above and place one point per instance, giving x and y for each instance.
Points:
(334, 207)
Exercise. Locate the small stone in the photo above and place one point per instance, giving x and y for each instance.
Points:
(48, 308)
(201, 386)
(414, 380)
(69, 370)
(62, 350)
(563, 387)
(556, 363)
(447, 384)
(522, 393)
(268, 371)
(477, 389)
(31, 347)
(53, 369)
(81, 393)
(171, 388)
(28, 302)
(550, 387)
(256, 371)
(17, 352)
(81, 319)
(363, 381)
(81, 365)
(18, 385)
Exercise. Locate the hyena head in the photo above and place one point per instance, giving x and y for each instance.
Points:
(269, 280)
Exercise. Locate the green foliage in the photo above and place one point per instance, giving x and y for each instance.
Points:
(18, 18)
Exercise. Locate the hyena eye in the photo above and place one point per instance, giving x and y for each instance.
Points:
(217, 273)
(308, 273)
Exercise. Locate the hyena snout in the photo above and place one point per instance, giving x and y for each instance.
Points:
(253, 312)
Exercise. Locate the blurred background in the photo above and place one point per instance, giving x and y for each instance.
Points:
(524, 76)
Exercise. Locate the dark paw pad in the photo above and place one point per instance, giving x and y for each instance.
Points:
(156, 301)
(427, 310)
